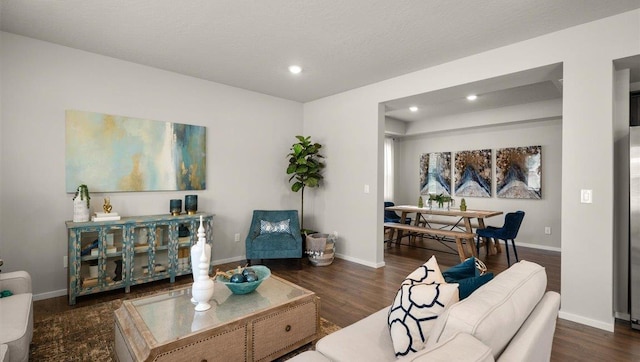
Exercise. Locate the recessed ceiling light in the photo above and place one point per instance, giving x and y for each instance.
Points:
(295, 69)
(472, 97)
(413, 109)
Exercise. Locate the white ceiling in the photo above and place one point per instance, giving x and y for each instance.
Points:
(341, 44)
(533, 85)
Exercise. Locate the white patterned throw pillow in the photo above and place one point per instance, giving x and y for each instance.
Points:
(267, 227)
(428, 273)
(422, 297)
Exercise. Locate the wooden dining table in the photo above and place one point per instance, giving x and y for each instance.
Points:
(456, 218)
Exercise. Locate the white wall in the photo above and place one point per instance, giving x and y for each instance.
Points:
(248, 136)
(621, 193)
(539, 213)
(350, 125)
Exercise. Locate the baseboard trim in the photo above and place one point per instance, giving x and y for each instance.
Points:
(228, 260)
(49, 295)
(360, 261)
(536, 246)
(622, 316)
(607, 326)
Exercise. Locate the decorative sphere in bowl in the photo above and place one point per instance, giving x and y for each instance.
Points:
(261, 271)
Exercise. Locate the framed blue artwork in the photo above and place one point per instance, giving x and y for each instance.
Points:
(114, 153)
(435, 173)
(473, 173)
(518, 172)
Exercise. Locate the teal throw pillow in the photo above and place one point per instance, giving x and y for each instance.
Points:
(469, 285)
(464, 270)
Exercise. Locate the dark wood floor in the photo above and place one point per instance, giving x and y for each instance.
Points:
(350, 292)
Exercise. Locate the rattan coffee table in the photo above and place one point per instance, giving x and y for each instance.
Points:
(273, 320)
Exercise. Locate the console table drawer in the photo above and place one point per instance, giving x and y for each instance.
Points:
(285, 330)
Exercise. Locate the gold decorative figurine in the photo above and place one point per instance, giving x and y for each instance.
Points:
(107, 205)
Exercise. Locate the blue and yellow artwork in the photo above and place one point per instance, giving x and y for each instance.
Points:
(114, 153)
(472, 171)
(518, 172)
(435, 173)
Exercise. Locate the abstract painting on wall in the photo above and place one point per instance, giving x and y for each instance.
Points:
(435, 173)
(518, 172)
(114, 153)
(473, 173)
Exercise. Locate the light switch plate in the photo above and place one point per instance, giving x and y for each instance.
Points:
(586, 196)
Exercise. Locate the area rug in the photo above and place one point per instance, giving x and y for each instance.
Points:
(87, 334)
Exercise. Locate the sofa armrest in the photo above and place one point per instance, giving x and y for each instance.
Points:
(534, 339)
(17, 282)
(461, 347)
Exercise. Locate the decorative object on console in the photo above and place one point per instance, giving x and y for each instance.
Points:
(305, 166)
(463, 205)
(191, 204)
(107, 215)
(175, 207)
(81, 204)
(102, 216)
(420, 201)
(118, 270)
(107, 205)
(473, 173)
(144, 155)
(202, 289)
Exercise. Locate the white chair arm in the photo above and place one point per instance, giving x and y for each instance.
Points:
(17, 282)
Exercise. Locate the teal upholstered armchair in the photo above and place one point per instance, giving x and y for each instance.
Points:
(274, 234)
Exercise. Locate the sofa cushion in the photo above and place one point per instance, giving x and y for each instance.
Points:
(267, 227)
(414, 312)
(461, 347)
(365, 340)
(494, 313)
(469, 285)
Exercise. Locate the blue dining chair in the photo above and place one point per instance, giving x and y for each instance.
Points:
(392, 216)
(508, 231)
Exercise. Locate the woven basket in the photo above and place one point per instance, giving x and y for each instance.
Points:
(329, 250)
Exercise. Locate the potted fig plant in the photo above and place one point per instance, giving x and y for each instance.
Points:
(305, 168)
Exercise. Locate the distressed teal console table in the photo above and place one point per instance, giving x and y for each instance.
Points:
(107, 255)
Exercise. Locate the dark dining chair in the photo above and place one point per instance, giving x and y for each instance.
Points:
(392, 216)
(508, 231)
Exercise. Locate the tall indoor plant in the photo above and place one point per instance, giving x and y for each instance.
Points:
(305, 168)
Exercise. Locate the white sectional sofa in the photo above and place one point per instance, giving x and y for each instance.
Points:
(16, 317)
(511, 318)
